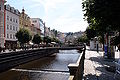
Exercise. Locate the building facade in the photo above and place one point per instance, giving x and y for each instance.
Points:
(38, 25)
(52, 34)
(94, 43)
(61, 37)
(11, 26)
(47, 31)
(2, 23)
(24, 20)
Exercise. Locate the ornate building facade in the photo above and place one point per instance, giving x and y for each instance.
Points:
(24, 20)
(11, 26)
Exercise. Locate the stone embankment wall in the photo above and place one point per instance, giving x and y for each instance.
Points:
(10, 60)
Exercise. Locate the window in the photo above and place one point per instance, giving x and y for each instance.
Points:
(25, 17)
(10, 36)
(13, 36)
(7, 26)
(16, 28)
(7, 17)
(7, 35)
(16, 21)
(14, 11)
(11, 19)
(10, 9)
(13, 27)
(34, 21)
(10, 27)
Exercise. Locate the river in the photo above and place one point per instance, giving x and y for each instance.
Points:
(52, 67)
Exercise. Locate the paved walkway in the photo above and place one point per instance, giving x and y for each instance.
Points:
(95, 67)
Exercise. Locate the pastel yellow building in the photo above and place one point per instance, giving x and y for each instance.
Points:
(24, 20)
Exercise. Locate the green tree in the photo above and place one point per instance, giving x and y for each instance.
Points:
(90, 33)
(47, 39)
(23, 36)
(37, 39)
(55, 40)
(102, 14)
(83, 39)
(55, 32)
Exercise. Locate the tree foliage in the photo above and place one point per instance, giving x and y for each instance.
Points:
(90, 33)
(103, 15)
(83, 39)
(55, 40)
(55, 32)
(47, 39)
(37, 39)
(23, 35)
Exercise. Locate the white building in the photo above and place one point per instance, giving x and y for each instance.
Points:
(2, 23)
(11, 26)
(38, 23)
(72, 37)
(47, 31)
(94, 43)
(61, 36)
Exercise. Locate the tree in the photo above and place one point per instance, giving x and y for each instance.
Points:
(37, 39)
(82, 39)
(90, 33)
(54, 40)
(55, 32)
(102, 14)
(47, 39)
(23, 36)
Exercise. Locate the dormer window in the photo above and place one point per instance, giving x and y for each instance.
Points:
(15, 11)
(10, 9)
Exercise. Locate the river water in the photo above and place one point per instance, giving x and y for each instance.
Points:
(52, 67)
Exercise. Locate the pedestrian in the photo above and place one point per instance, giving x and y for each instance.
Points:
(97, 49)
(118, 47)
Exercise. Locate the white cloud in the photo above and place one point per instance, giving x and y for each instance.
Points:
(48, 4)
(64, 15)
(68, 24)
(70, 20)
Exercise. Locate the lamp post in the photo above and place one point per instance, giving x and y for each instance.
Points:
(44, 33)
(97, 45)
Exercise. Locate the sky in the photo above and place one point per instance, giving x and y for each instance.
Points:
(62, 15)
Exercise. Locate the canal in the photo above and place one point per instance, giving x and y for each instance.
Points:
(52, 67)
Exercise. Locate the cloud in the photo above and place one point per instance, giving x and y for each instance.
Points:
(68, 24)
(64, 15)
(48, 4)
(71, 18)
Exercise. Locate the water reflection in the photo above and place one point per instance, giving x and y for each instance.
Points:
(48, 68)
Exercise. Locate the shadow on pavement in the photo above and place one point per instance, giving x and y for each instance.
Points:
(104, 69)
(98, 77)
